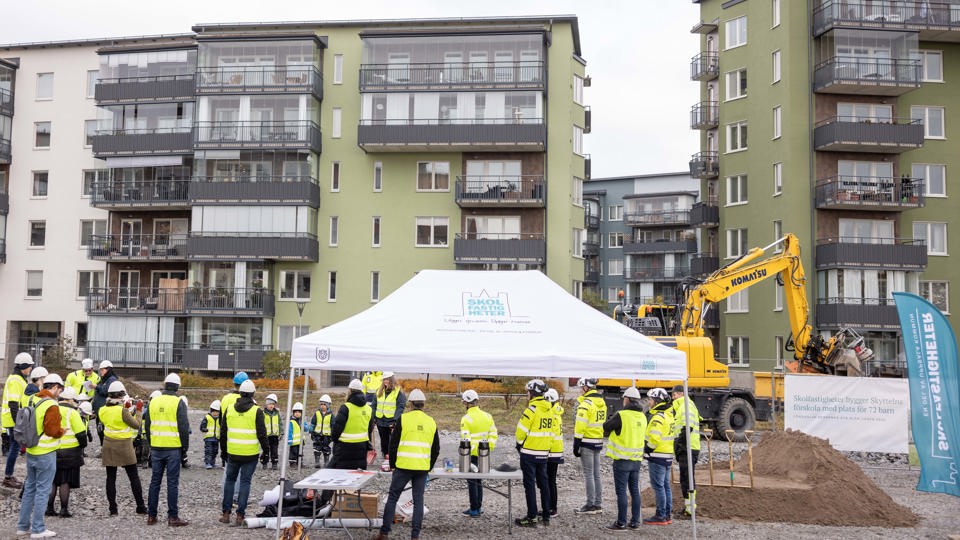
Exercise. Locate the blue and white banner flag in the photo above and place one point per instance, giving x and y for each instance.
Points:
(931, 351)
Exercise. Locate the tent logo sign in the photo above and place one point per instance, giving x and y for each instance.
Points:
(323, 354)
(485, 305)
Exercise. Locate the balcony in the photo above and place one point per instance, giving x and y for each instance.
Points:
(133, 142)
(6, 102)
(587, 166)
(887, 253)
(936, 21)
(138, 247)
(144, 89)
(591, 246)
(4, 201)
(472, 248)
(591, 276)
(123, 194)
(705, 214)
(704, 165)
(663, 218)
(255, 190)
(669, 273)
(157, 355)
(633, 247)
(453, 135)
(869, 193)
(869, 76)
(190, 301)
(245, 357)
(859, 313)
(702, 264)
(292, 135)
(281, 79)
(466, 77)
(5, 154)
(591, 221)
(3, 250)
(526, 191)
(858, 134)
(251, 246)
(704, 115)
(587, 119)
(705, 66)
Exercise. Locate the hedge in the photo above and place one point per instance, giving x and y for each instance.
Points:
(192, 380)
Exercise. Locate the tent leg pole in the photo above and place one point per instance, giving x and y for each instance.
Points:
(284, 455)
(691, 475)
(303, 444)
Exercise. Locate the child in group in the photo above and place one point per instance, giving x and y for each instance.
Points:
(271, 417)
(295, 433)
(320, 431)
(210, 427)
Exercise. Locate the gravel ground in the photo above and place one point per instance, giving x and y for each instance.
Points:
(200, 495)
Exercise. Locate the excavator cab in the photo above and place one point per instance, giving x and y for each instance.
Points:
(648, 319)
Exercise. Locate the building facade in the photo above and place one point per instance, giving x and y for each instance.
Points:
(850, 107)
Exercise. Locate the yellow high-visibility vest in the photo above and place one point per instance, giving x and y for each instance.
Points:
(76, 379)
(556, 449)
(163, 422)
(273, 423)
(242, 432)
(46, 444)
(323, 424)
(417, 430)
(296, 437)
(628, 444)
(72, 426)
(660, 432)
(679, 419)
(228, 400)
(591, 414)
(12, 391)
(213, 427)
(387, 404)
(111, 416)
(358, 420)
(478, 425)
(535, 430)
(372, 382)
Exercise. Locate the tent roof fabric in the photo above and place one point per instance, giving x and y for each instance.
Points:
(488, 323)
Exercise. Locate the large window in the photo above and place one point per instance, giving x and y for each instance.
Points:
(615, 212)
(287, 333)
(936, 292)
(432, 231)
(90, 228)
(337, 121)
(42, 137)
(38, 233)
(578, 140)
(88, 279)
(92, 176)
(44, 85)
(865, 112)
(89, 130)
(935, 235)
(932, 66)
(579, 237)
(933, 122)
(738, 351)
(736, 137)
(934, 178)
(295, 285)
(40, 183)
(739, 302)
(433, 176)
(92, 77)
(736, 243)
(736, 32)
(615, 267)
(736, 190)
(34, 283)
(578, 89)
(577, 191)
(736, 84)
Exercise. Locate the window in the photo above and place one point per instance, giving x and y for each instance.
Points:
(577, 191)
(866, 231)
(615, 212)
(578, 140)
(736, 190)
(375, 286)
(777, 296)
(40, 183)
(88, 279)
(378, 176)
(332, 286)
(776, 13)
(287, 333)
(736, 137)
(778, 348)
(432, 231)
(90, 228)
(777, 121)
(934, 178)
(865, 112)
(89, 130)
(736, 243)
(739, 302)
(579, 236)
(338, 69)
(335, 131)
(93, 76)
(736, 84)
(777, 178)
(578, 89)
(335, 176)
(615, 240)
(932, 118)
(936, 293)
(44, 85)
(776, 66)
(376, 231)
(295, 285)
(92, 177)
(738, 351)
(736, 32)
(932, 66)
(81, 334)
(334, 230)
(34, 283)
(613, 295)
(38, 233)
(935, 235)
(42, 138)
(615, 267)
(433, 176)
(777, 234)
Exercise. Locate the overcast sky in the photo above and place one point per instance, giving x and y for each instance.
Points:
(637, 51)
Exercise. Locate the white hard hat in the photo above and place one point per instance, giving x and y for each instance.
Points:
(536, 387)
(83, 397)
(39, 372)
(247, 387)
(387, 374)
(116, 387)
(325, 399)
(23, 358)
(355, 385)
(551, 395)
(470, 395)
(658, 394)
(417, 395)
(86, 408)
(155, 393)
(215, 404)
(631, 393)
(587, 382)
(272, 397)
(87, 363)
(105, 364)
(298, 406)
(53, 378)
(68, 393)
(172, 378)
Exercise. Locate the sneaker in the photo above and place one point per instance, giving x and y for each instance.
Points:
(11, 482)
(472, 513)
(553, 513)
(657, 520)
(545, 521)
(23, 533)
(585, 509)
(526, 522)
(596, 510)
(208, 466)
(634, 525)
(616, 526)
(44, 534)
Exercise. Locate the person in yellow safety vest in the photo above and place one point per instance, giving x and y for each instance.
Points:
(588, 442)
(680, 406)
(86, 414)
(658, 451)
(84, 380)
(229, 399)
(273, 420)
(168, 430)
(414, 448)
(34, 383)
(535, 435)
(556, 450)
(295, 433)
(210, 427)
(120, 424)
(320, 431)
(350, 432)
(243, 434)
(476, 426)
(41, 459)
(372, 380)
(627, 430)
(387, 407)
(12, 392)
(69, 453)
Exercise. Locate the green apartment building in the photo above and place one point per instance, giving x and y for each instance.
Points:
(853, 112)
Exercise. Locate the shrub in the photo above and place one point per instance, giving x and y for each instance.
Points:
(192, 380)
(276, 364)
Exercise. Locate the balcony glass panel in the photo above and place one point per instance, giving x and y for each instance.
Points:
(437, 108)
(116, 66)
(865, 45)
(259, 109)
(258, 54)
(252, 166)
(254, 221)
(454, 50)
(657, 205)
(145, 118)
(137, 186)
(886, 14)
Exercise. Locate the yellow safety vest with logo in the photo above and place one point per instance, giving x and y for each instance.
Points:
(387, 404)
(228, 400)
(25, 398)
(12, 391)
(556, 449)
(111, 416)
(417, 430)
(628, 444)
(242, 432)
(358, 420)
(372, 382)
(591, 414)
(323, 425)
(660, 432)
(163, 422)
(296, 436)
(272, 421)
(213, 427)
(72, 426)
(679, 419)
(76, 379)
(46, 444)
(535, 430)
(478, 425)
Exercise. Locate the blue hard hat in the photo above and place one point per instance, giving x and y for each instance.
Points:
(240, 377)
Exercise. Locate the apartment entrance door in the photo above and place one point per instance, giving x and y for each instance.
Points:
(128, 289)
(131, 234)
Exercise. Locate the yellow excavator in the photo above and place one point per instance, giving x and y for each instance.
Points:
(738, 409)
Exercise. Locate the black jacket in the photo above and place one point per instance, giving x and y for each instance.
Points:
(100, 392)
(345, 451)
(395, 443)
(183, 422)
(14, 405)
(243, 404)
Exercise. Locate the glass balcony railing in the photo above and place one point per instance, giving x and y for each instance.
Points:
(190, 300)
(6, 102)
(465, 76)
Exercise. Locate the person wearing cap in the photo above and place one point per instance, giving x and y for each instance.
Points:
(476, 426)
(107, 377)
(411, 462)
(243, 434)
(626, 430)
(83, 380)
(372, 380)
(588, 442)
(168, 430)
(387, 405)
(69, 454)
(320, 431)
(555, 458)
(12, 393)
(350, 432)
(273, 420)
(658, 451)
(229, 398)
(681, 405)
(295, 433)
(210, 427)
(41, 459)
(535, 434)
(120, 419)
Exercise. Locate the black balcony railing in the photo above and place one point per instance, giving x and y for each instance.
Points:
(5, 154)
(591, 221)
(6, 102)
(668, 273)
(857, 252)
(875, 76)
(868, 134)
(232, 354)
(135, 354)
(286, 134)
(591, 276)
(512, 190)
(705, 66)
(465, 76)
(499, 247)
(704, 115)
(4, 201)
(632, 247)
(137, 247)
(704, 263)
(870, 193)
(191, 300)
(291, 79)
(591, 246)
(117, 142)
(453, 133)
(275, 190)
(135, 193)
(252, 246)
(152, 88)
(705, 214)
(663, 218)
(890, 15)
(705, 165)
(3, 250)
(857, 312)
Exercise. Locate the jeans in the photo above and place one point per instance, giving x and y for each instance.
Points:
(245, 472)
(210, 449)
(552, 467)
(164, 459)
(534, 476)
(660, 484)
(12, 453)
(36, 489)
(399, 481)
(626, 475)
(685, 487)
(590, 459)
(475, 489)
